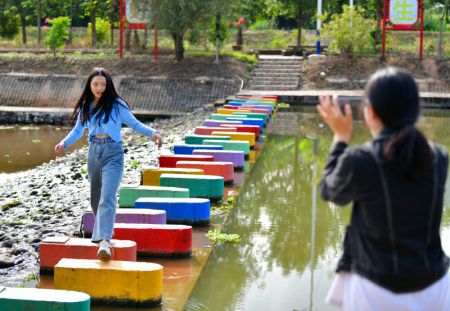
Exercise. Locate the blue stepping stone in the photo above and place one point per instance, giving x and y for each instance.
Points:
(186, 211)
(188, 149)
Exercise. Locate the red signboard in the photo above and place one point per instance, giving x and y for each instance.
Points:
(403, 15)
(136, 14)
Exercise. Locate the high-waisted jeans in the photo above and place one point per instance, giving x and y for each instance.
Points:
(105, 170)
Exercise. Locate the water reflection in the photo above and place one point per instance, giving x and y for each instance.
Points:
(290, 238)
(26, 146)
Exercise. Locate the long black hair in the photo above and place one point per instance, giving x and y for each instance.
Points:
(104, 105)
(394, 96)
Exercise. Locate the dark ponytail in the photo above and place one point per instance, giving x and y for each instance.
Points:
(394, 96)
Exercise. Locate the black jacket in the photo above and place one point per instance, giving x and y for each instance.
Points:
(393, 237)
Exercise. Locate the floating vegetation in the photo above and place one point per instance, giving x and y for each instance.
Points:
(36, 141)
(217, 236)
(283, 105)
(227, 204)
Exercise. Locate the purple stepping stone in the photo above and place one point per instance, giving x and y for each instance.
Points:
(127, 216)
(237, 157)
(214, 123)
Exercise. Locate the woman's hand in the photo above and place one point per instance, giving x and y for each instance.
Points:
(59, 148)
(341, 124)
(157, 139)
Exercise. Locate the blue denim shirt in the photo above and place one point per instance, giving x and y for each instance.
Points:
(120, 114)
(393, 237)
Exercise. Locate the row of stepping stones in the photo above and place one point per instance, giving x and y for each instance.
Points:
(153, 219)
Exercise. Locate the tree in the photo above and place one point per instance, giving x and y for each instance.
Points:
(96, 9)
(302, 11)
(58, 33)
(9, 21)
(442, 7)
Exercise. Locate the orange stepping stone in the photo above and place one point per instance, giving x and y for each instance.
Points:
(151, 175)
(246, 136)
(224, 169)
(157, 240)
(204, 130)
(53, 249)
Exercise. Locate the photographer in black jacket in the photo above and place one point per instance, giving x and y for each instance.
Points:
(393, 258)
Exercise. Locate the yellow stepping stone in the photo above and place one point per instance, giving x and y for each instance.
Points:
(151, 175)
(245, 136)
(112, 282)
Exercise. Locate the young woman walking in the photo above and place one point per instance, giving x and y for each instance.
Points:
(393, 257)
(102, 112)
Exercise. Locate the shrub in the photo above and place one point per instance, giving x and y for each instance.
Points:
(9, 24)
(102, 27)
(58, 33)
(261, 25)
(350, 32)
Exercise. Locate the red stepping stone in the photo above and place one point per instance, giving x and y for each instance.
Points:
(245, 128)
(172, 159)
(204, 130)
(53, 249)
(157, 240)
(224, 169)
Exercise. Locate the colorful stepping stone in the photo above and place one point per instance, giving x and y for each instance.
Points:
(171, 160)
(53, 249)
(194, 139)
(228, 111)
(190, 211)
(204, 130)
(224, 169)
(128, 216)
(200, 186)
(127, 283)
(150, 175)
(252, 115)
(249, 102)
(246, 136)
(218, 116)
(187, 149)
(255, 129)
(249, 121)
(157, 240)
(252, 108)
(215, 123)
(39, 299)
(236, 145)
(129, 194)
(236, 157)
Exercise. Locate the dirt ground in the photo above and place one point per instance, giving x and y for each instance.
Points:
(359, 69)
(190, 67)
(314, 73)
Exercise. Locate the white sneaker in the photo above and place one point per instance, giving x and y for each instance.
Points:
(104, 250)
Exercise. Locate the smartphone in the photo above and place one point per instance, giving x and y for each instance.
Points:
(343, 100)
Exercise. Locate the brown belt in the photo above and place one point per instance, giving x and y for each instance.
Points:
(101, 136)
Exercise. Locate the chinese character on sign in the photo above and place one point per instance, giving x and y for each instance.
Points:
(403, 12)
(138, 11)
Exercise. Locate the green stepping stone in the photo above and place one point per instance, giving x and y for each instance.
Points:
(200, 186)
(129, 194)
(219, 116)
(198, 139)
(235, 145)
(37, 299)
(252, 115)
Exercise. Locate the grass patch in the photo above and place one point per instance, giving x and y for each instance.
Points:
(10, 205)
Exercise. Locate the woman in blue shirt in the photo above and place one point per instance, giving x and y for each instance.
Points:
(102, 112)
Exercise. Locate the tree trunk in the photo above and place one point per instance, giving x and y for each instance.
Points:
(111, 39)
(379, 19)
(93, 27)
(217, 38)
(39, 16)
(299, 30)
(144, 44)
(136, 39)
(179, 48)
(127, 39)
(23, 24)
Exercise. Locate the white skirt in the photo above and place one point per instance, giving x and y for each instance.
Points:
(352, 292)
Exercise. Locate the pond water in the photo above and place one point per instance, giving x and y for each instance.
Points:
(290, 238)
(26, 146)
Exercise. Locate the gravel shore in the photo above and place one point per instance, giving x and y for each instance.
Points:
(50, 199)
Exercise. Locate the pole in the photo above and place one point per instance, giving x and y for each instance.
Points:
(421, 28)
(319, 24)
(155, 49)
(351, 3)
